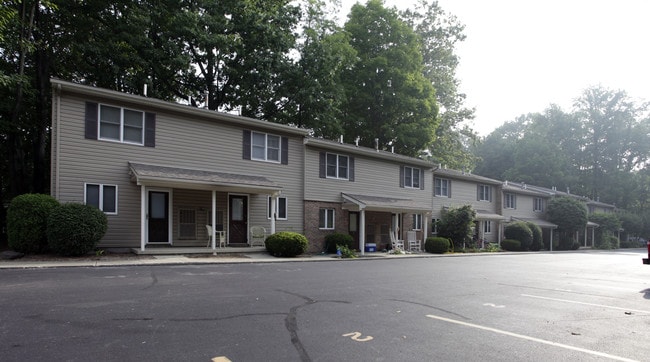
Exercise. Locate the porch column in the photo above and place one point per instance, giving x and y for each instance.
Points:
(593, 237)
(143, 216)
(274, 200)
(213, 222)
(425, 227)
(586, 236)
(362, 231)
(550, 244)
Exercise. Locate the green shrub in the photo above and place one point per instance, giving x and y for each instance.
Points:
(287, 244)
(438, 245)
(519, 231)
(335, 239)
(346, 252)
(510, 245)
(492, 247)
(27, 222)
(567, 243)
(75, 229)
(538, 239)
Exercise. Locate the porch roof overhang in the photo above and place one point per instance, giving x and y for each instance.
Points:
(381, 203)
(539, 222)
(591, 224)
(175, 177)
(486, 215)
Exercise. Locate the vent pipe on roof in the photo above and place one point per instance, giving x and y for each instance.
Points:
(207, 99)
(356, 141)
(377, 144)
(567, 190)
(145, 90)
(341, 139)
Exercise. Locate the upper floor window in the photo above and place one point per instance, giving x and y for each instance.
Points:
(411, 177)
(120, 125)
(265, 147)
(510, 201)
(337, 166)
(484, 193)
(442, 187)
(280, 208)
(103, 197)
(538, 204)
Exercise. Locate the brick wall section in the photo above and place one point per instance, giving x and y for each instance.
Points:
(315, 235)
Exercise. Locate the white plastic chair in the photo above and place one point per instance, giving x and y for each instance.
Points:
(396, 243)
(258, 236)
(221, 234)
(413, 243)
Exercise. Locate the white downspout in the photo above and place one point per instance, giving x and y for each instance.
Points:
(362, 231)
(213, 222)
(143, 217)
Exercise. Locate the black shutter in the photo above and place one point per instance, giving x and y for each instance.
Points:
(91, 120)
(150, 129)
(284, 150)
(401, 176)
(321, 165)
(421, 179)
(246, 145)
(351, 169)
(478, 192)
(449, 188)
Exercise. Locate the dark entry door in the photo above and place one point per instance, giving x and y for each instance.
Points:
(158, 217)
(238, 209)
(353, 228)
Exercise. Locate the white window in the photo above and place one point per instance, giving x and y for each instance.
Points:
(510, 201)
(326, 219)
(538, 204)
(417, 221)
(412, 177)
(337, 166)
(487, 227)
(280, 208)
(442, 187)
(265, 147)
(484, 193)
(103, 197)
(187, 224)
(121, 124)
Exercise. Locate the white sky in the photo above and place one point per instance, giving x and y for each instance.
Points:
(522, 55)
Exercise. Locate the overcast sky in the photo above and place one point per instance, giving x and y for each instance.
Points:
(521, 56)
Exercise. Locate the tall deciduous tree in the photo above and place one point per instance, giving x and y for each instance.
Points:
(388, 97)
(439, 33)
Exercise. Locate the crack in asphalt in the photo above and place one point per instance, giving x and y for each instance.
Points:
(432, 307)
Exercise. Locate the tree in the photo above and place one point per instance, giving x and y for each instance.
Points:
(570, 215)
(439, 33)
(608, 225)
(456, 224)
(387, 96)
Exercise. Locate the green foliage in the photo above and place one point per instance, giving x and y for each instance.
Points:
(538, 240)
(438, 245)
(510, 245)
(27, 222)
(492, 248)
(387, 94)
(608, 225)
(568, 243)
(456, 224)
(332, 241)
(521, 232)
(346, 252)
(568, 213)
(75, 229)
(286, 244)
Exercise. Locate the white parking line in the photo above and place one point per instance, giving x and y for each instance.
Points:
(532, 339)
(585, 303)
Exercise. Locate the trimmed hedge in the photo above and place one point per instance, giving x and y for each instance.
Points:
(438, 245)
(510, 245)
(287, 244)
(27, 222)
(538, 240)
(519, 231)
(75, 229)
(332, 240)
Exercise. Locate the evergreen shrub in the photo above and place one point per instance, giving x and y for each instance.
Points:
(538, 239)
(286, 244)
(27, 222)
(519, 231)
(336, 239)
(510, 245)
(75, 229)
(438, 245)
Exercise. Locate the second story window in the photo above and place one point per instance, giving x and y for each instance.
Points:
(121, 124)
(538, 204)
(442, 187)
(337, 166)
(265, 147)
(484, 193)
(411, 177)
(510, 201)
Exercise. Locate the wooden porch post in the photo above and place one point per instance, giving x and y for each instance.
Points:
(362, 231)
(213, 222)
(274, 200)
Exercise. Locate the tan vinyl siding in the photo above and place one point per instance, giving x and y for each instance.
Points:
(372, 177)
(465, 193)
(180, 142)
(524, 207)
